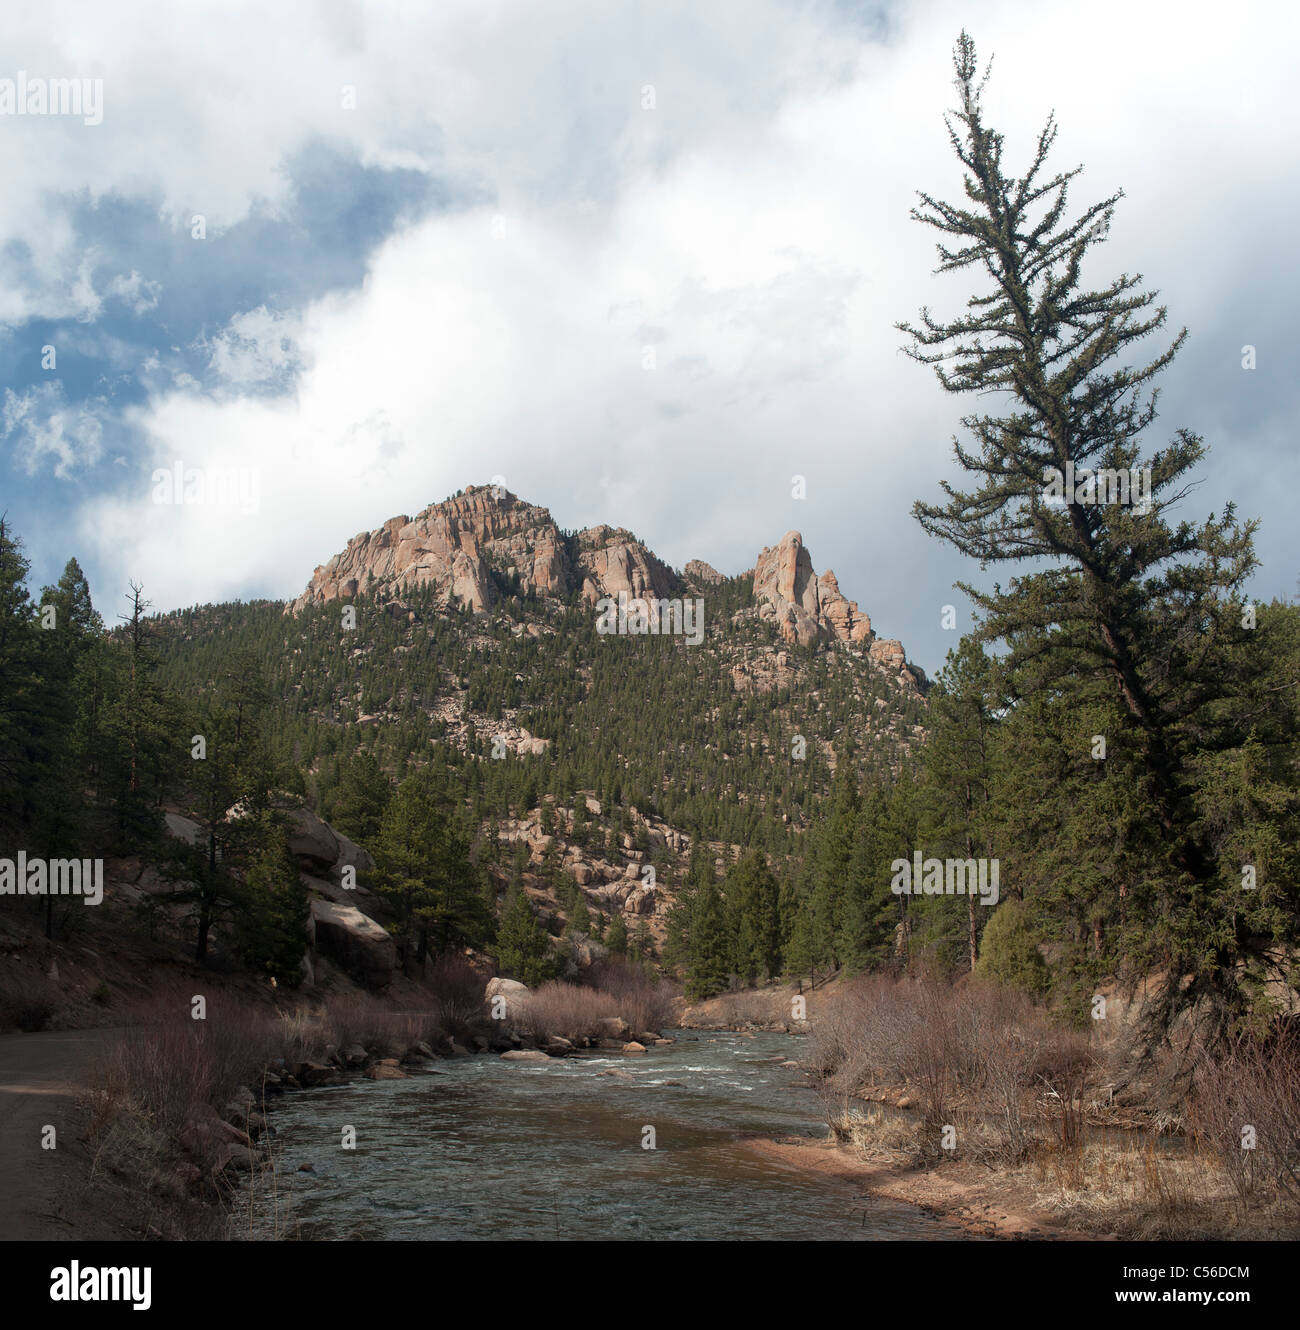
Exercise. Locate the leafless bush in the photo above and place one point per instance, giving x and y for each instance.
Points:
(1245, 1111)
(970, 1055)
(165, 1068)
(643, 1001)
(27, 1001)
(570, 1011)
(152, 1084)
(456, 989)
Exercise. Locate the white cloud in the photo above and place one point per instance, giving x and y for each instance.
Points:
(138, 292)
(753, 228)
(41, 424)
(255, 348)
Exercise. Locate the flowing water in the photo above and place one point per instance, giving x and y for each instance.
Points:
(483, 1148)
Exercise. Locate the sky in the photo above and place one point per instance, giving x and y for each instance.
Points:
(639, 260)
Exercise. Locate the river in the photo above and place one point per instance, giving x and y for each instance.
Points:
(482, 1148)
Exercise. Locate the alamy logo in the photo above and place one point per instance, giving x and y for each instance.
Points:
(946, 877)
(209, 485)
(1129, 488)
(659, 617)
(38, 96)
(95, 1283)
(52, 877)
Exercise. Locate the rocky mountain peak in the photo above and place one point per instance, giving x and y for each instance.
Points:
(466, 544)
(806, 607)
(456, 545)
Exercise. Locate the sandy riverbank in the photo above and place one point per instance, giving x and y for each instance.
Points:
(965, 1194)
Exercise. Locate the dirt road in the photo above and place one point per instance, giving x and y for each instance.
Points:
(45, 1194)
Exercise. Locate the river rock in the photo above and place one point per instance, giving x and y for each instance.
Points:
(512, 991)
(354, 1055)
(316, 1073)
(525, 1055)
(234, 1158)
(633, 1047)
(386, 1069)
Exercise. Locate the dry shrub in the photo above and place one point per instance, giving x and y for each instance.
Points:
(456, 988)
(643, 1001)
(28, 1001)
(570, 1011)
(1251, 1090)
(973, 1056)
(151, 1082)
(737, 1010)
(166, 1067)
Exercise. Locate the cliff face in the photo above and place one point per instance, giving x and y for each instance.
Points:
(454, 546)
(448, 546)
(807, 607)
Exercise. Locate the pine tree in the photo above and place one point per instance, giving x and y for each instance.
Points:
(522, 947)
(708, 970)
(271, 925)
(363, 793)
(1151, 608)
(422, 866)
(958, 764)
(753, 906)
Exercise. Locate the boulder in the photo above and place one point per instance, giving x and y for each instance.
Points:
(205, 1136)
(351, 854)
(233, 1158)
(525, 1055)
(355, 941)
(641, 901)
(514, 993)
(633, 1048)
(311, 837)
(354, 1055)
(386, 1069)
(183, 828)
(315, 1073)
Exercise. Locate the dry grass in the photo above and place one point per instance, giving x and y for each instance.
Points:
(150, 1083)
(1018, 1091)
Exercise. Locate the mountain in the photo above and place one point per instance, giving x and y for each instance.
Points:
(485, 543)
(577, 758)
(455, 547)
